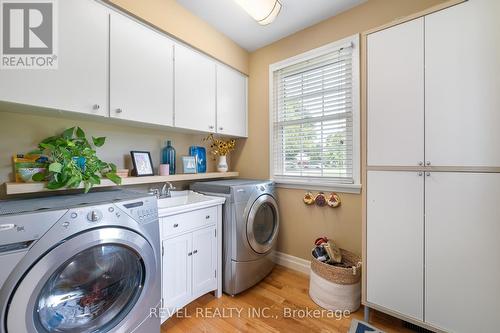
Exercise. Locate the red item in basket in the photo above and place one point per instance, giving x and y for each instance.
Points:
(320, 241)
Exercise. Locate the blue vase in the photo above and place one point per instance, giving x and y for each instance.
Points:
(201, 158)
(168, 157)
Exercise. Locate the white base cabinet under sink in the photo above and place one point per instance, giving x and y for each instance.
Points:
(191, 254)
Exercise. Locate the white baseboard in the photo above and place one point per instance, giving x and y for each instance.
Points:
(292, 262)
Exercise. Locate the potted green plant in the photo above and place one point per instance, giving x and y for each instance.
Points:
(73, 160)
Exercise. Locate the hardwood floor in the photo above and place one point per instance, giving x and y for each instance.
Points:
(268, 307)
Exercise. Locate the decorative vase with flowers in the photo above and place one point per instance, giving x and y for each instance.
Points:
(220, 149)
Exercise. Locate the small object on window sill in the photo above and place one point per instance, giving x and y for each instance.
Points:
(308, 198)
(334, 200)
(320, 199)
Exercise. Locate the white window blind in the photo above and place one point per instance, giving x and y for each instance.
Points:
(312, 119)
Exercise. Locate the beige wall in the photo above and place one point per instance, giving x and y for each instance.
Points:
(301, 224)
(20, 133)
(176, 20)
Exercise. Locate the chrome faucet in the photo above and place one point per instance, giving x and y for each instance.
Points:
(165, 191)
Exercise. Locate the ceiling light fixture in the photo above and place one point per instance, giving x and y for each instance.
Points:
(262, 11)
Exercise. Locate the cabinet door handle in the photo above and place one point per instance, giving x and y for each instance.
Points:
(420, 174)
(221, 128)
(428, 174)
(428, 163)
(96, 107)
(119, 110)
(176, 225)
(210, 127)
(207, 217)
(195, 251)
(190, 254)
(420, 163)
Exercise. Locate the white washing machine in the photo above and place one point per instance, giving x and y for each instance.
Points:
(250, 229)
(80, 263)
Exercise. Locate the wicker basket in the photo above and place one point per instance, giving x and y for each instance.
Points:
(336, 287)
(338, 274)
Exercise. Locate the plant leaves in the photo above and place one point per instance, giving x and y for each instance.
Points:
(98, 142)
(47, 146)
(55, 167)
(38, 177)
(53, 185)
(49, 139)
(114, 178)
(87, 186)
(73, 182)
(35, 152)
(68, 134)
(80, 133)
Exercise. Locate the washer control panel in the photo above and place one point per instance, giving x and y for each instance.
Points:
(143, 211)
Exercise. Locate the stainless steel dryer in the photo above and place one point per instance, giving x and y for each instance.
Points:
(250, 229)
(80, 263)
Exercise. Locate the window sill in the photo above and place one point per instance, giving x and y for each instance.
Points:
(315, 186)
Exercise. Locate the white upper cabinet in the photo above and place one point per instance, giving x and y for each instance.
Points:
(231, 102)
(396, 95)
(462, 78)
(195, 91)
(141, 73)
(80, 83)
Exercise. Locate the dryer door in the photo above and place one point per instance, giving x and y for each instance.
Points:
(263, 224)
(96, 281)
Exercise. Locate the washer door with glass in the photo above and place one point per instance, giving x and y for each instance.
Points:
(93, 282)
(263, 224)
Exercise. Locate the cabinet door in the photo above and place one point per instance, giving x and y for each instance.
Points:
(80, 82)
(194, 90)
(141, 75)
(231, 102)
(462, 76)
(395, 241)
(462, 251)
(204, 261)
(177, 272)
(396, 95)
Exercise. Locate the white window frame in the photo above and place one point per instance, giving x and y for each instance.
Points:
(312, 183)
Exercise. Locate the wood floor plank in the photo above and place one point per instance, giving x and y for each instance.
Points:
(267, 308)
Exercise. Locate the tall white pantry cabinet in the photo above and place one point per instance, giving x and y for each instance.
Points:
(433, 169)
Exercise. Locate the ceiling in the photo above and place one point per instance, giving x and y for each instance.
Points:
(230, 19)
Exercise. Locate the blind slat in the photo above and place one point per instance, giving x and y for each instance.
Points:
(312, 118)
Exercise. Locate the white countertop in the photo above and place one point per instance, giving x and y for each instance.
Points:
(185, 201)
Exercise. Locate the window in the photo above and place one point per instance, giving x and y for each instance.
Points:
(314, 106)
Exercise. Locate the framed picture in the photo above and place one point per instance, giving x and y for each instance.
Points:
(143, 164)
(189, 164)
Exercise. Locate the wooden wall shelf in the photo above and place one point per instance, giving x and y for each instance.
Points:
(24, 188)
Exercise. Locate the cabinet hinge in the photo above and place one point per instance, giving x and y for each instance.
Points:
(215, 274)
(215, 233)
(162, 251)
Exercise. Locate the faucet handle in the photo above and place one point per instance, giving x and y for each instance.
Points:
(154, 191)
